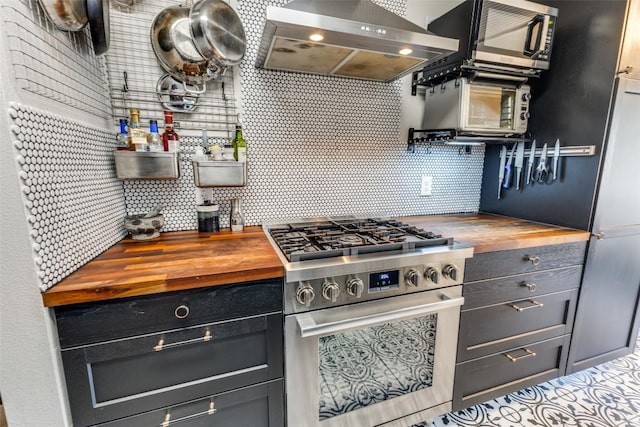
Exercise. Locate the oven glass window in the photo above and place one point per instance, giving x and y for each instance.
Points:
(491, 107)
(366, 366)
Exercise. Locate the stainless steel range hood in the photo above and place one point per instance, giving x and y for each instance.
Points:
(346, 38)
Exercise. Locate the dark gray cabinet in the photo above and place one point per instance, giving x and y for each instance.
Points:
(517, 320)
(169, 356)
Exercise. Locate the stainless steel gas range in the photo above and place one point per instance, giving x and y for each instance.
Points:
(371, 320)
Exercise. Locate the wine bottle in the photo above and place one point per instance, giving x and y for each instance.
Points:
(137, 136)
(170, 139)
(239, 146)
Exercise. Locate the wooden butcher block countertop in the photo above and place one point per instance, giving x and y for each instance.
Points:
(491, 233)
(176, 260)
(188, 259)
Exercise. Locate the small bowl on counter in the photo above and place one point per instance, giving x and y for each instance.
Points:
(142, 227)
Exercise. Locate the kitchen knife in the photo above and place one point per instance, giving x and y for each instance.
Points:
(556, 156)
(532, 158)
(519, 163)
(508, 167)
(503, 159)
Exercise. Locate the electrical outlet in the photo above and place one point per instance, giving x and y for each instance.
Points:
(426, 186)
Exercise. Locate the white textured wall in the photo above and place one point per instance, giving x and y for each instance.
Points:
(30, 373)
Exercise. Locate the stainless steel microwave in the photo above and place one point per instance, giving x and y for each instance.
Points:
(482, 107)
(498, 34)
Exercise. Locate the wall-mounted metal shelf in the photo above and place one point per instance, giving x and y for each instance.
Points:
(453, 137)
(147, 165)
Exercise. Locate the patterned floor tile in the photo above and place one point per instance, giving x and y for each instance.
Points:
(606, 395)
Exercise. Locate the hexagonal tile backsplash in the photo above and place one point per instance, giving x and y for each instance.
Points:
(317, 146)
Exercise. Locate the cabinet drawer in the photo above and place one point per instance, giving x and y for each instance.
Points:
(511, 288)
(89, 323)
(498, 327)
(518, 261)
(124, 377)
(483, 379)
(260, 405)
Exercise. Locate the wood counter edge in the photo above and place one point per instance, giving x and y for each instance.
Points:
(52, 298)
(531, 241)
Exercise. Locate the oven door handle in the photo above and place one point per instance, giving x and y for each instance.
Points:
(310, 328)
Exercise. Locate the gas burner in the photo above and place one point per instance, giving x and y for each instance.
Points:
(351, 240)
(326, 239)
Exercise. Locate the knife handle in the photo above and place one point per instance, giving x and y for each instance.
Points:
(507, 176)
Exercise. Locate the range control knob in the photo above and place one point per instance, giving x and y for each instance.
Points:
(525, 116)
(355, 287)
(526, 96)
(330, 290)
(432, 275)
(412, 277)
(450, 271)
(305, 293)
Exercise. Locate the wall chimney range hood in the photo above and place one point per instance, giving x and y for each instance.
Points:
(347, 38)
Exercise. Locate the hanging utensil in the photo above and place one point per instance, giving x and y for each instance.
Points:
(66, 15)
(503, 160)
(99, 24)
(178, 96)
(556, 157)
(532, 158)
(519, 163)
(217, 32)
(508, 168)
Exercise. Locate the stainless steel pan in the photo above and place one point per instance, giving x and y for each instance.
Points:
(217, 32)
(173, 45)
(99, 24)
(66, 15)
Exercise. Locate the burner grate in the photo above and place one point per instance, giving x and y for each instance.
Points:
(318, 240)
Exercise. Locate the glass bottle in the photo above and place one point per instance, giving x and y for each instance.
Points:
(237, 218)
(155, 143)
(170, 139)
(123, 135)
(239, 145)
(137, 135)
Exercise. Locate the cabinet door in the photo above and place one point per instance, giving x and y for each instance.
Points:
(480, 380)
(631, 44)
(260, 405)
(607, 317)
(124, 377)
(494, 328)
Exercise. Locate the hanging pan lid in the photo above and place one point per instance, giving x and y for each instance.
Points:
(217, 32)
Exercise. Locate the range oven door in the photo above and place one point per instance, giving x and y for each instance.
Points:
(515, 33)
(373, 363)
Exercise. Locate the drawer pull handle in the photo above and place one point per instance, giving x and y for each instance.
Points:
(534, 305)
(534, 259)
(530, 286)
(528, 353)
(167, 419)
(182, 311)
(161, 345)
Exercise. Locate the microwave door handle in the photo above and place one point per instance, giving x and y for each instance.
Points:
(535, 51)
